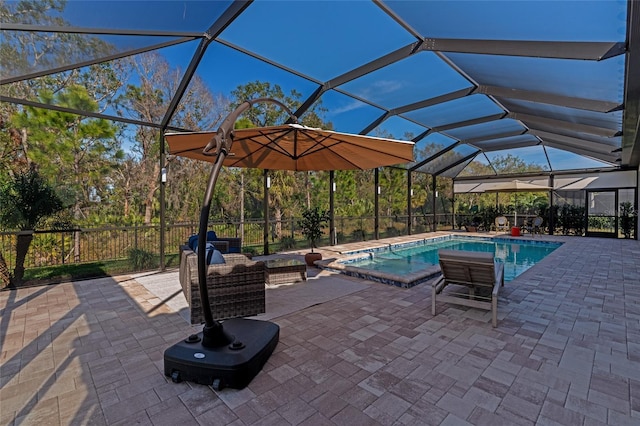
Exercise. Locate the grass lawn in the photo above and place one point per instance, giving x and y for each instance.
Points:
(80, 271)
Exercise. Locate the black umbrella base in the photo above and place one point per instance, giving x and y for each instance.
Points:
(233, 365)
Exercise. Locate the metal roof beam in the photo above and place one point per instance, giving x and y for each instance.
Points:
(229, 15)
(434, 156)
(575, 127)
(397, 18)
(383, 61)
(533, 175)
(375, 123)
(631, 118)
(433, 101)
(549, 98)
(468, 122)
(84, 113)
(594, 51)
(94, 61)
(572, 134)
(581, 151)
(456, 163)
(374, 65)
(597, 146)
(97, 31)
(307, 103)
(471, 141)
(491, 146)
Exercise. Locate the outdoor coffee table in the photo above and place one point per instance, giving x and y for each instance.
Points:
(285, 271)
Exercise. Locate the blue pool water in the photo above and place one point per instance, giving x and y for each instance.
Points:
(517, 255)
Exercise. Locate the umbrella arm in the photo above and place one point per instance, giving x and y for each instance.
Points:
(224, 138)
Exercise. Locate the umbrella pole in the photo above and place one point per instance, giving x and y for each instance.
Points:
(213, 333)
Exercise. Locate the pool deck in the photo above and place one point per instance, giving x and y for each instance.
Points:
(566, 350)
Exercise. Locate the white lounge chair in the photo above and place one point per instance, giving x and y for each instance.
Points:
(535, 226)
(502, 224)
(480, 275)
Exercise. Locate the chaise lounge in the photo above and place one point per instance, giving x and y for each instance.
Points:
(479, 274)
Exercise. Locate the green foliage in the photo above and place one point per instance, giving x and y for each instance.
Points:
(601, 223)
(359, 235)
(26, 200)
(488, 217)
(287, 243)
(391, 232)
(141, 260)
(312, 223)
(77, 153)
(252, 251)
(628, 215)
(571, 219)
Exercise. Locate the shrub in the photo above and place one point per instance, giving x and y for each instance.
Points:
(287, 243)
(141, 259)
(628, 219)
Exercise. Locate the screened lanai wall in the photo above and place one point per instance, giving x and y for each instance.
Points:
(466, 81)
(599, 193)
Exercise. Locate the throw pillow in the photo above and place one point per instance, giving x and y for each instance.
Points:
(193, 242)
(215, 257)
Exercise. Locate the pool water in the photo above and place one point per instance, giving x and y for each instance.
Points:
(517, 256)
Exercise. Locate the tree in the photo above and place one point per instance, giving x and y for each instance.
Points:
(312, 223)
(25, 201)
(77, 151)
(284, 183)
(148, 100)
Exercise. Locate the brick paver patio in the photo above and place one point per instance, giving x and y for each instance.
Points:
(566, 351)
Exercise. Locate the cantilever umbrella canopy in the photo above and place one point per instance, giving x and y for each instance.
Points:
(517, 186)
(295, 147)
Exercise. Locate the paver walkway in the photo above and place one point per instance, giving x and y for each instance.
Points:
(566, 351)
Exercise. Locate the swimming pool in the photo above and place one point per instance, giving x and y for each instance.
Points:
(411, 264)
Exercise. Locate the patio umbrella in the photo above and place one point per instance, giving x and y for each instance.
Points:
(517, 186)
(232, 355)
(294, 147)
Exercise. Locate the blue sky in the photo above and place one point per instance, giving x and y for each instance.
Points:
(324, 39)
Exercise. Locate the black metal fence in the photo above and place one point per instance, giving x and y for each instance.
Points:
(59, 247)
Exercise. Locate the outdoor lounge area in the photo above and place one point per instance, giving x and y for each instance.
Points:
(276, 130)
(565, 351)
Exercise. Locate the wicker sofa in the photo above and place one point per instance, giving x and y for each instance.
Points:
(236, 288)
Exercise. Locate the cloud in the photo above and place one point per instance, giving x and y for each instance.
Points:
(351, 106)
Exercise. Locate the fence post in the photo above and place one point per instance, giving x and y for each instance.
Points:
(135, 236)
(62, 234)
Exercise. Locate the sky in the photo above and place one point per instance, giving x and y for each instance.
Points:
(322, 40)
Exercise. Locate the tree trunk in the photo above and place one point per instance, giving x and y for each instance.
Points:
(278, 219)
(307, 187)
(242, 205)
(76, 246)
(5, 277)
(148, 202)
(22, 247)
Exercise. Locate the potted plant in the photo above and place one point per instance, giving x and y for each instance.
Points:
(312, 223)
(627, 219)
